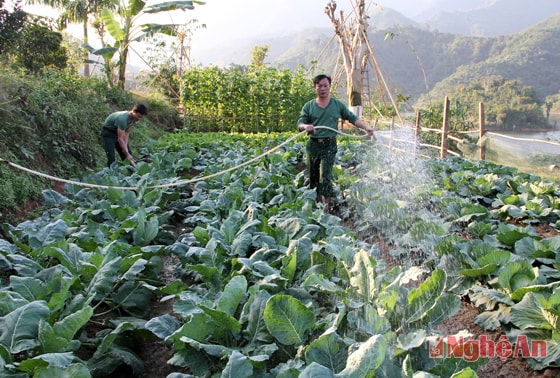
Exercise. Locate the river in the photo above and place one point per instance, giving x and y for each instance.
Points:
(530, 146)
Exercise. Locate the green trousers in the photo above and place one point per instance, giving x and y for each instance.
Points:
(111, 144)
(321, 155)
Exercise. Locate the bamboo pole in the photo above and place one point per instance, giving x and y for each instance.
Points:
(417, 135)
(391, 136)
(432, 130)
(459, 140)
(481, 131)
(445, 128)
(525, 139)
(374, 128)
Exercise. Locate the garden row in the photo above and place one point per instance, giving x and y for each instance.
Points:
(268, 284)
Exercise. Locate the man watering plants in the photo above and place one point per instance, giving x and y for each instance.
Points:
(325, 112)
(116, 130)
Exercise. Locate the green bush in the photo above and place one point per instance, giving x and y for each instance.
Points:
(50, 122)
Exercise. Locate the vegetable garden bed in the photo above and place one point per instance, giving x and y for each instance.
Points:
(244, 273)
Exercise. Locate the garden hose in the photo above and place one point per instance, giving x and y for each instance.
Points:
(177, 183)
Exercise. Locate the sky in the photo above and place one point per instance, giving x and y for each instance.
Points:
(231, 19)
(228, 21)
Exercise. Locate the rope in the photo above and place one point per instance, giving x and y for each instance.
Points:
(63, 180)
(524, 139)
(183, 182)
(177, 183)
(345, 134)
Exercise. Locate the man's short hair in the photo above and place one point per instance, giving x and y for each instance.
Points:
(141, 109)
(320, 77)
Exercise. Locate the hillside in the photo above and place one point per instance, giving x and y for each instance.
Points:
(500, 17)
(425, 58)
(417, 62)
(531, 57)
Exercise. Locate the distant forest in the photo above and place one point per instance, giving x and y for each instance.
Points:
(428, 65)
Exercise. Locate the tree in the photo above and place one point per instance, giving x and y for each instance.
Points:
(11, 25)
(125, 30)
(79, 11)
(357, 55)
(106, 53)
(353, 48)
(30, 41)
(162, 64)
(40, 47)
(76, 11)
(258, 55)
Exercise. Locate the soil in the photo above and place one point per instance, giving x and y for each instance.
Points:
(464, 320)
(155, 353)
(495, 367)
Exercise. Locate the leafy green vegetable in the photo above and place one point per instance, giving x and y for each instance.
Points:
(287, 319)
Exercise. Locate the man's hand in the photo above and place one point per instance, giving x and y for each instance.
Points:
(308, 128)
(131, 160)
(369, 131)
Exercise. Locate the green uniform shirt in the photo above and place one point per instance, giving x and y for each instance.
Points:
(117, 120)
(313, 114)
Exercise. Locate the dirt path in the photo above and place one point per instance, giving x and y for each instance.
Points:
(495, 367)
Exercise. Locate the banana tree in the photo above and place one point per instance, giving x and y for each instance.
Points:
(107, 53)
(123, 26)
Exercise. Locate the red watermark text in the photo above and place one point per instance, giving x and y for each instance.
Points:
(482, 347)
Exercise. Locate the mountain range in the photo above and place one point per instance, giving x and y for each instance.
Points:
(426, 55)
(498, 17)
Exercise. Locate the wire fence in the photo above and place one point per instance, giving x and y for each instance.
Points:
(530, 154)
(537, 152)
